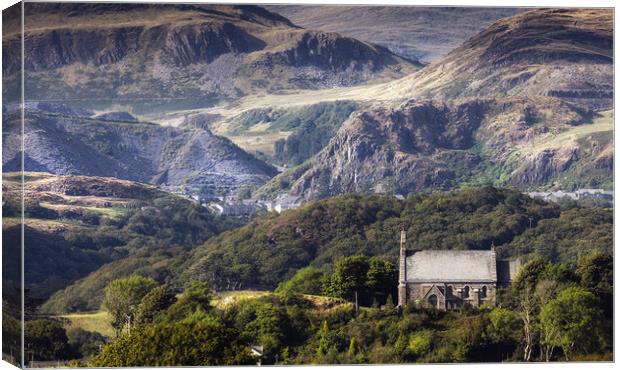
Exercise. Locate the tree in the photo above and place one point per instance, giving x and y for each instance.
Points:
(529, 274)
(196, 296)
(307, 280)
(155, 301)
(324, 343)
(198, 340)
(571, 321)
(349, 277)
(46, 340)
(504, 324)
(85, 343)
(596, 273)
(122, 297)
(381, 278)
(527, 315)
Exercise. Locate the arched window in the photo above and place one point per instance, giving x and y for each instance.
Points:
(466, 292)
(432, 300)
(449, 291)
(483, 292)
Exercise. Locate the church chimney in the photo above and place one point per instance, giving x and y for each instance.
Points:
(402, 272)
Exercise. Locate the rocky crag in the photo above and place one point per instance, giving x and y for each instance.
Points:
(139, 151)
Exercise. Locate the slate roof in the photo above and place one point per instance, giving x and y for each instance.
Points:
(452, 266)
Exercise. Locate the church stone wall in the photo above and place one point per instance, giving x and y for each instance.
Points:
(452, 295)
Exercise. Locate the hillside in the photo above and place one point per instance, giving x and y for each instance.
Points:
(75, 225)
(177, 56)
(565, 53)
(423, 145)
(272, 248)
(414, 32)
(182, 158)
(509, 107)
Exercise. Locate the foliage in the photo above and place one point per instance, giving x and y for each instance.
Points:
(154, 302)
(84, 343)
(46, 340)
(372, 279)
(572, 321)
(149, 240)
(122, 297)
(307, 280)
(200, 340)
(270, 249)
(197, 296)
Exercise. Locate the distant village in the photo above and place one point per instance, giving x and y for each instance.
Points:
(233, 206)
(604, 196)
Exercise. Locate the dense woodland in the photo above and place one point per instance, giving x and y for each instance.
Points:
(174, 258)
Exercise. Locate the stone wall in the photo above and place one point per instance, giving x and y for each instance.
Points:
(446, 296)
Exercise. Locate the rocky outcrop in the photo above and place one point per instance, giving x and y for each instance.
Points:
(181, 51)
(67, 145)
(416, 146)
(428, 145)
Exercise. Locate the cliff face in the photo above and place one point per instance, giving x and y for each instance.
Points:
(423, 145)
(104, 52)
(70, 145)
(525, 103)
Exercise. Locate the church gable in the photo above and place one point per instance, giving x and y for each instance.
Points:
(435, 297)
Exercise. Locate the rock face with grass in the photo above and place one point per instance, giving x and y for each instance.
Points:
(195, 52)
(437, 145)
(525, 103)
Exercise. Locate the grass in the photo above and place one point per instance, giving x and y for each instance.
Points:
(263, 142)
(45, 225)
(91, 321)
(224, 299)
(110, 212)
(603, 123)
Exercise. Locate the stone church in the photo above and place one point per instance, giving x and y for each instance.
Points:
(449, 279)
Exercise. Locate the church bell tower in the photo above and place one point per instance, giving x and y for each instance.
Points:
(402, 272)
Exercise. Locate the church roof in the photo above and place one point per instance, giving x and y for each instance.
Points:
(451, 266)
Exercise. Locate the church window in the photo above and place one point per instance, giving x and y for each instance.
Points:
(432, 300)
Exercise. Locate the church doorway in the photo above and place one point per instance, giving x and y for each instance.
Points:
(432, 300)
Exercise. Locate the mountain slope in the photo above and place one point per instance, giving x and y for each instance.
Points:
(437, 145)
(524, 103)
(76, 225)
(414, 32)
(566, 53)
(192, 54)
(178, 157)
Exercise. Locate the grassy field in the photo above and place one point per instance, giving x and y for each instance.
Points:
(90, 321)
(603, 123)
